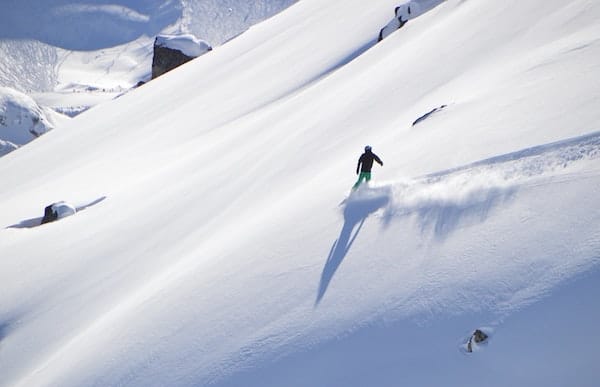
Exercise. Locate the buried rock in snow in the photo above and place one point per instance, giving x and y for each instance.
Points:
(55, 211)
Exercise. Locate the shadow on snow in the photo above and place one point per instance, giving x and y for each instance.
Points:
(442, 202)
(355, 214)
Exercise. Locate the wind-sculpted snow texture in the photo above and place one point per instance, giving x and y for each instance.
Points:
(230, 250)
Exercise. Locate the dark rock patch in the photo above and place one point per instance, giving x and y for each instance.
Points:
(477, 337)
(428, 114)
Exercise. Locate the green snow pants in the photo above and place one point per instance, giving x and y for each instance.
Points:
(363, 176)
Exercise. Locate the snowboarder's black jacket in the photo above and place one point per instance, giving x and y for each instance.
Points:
(366, 160)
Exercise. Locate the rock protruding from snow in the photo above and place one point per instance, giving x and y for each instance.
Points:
(57, 211)
(406, 12)
(477, 337)
(171, 51)
(429, 113)
(21, 119)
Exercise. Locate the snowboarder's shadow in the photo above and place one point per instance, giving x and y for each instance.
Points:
(355, 214)
(35, 222)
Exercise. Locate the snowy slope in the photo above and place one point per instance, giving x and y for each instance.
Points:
(217, 249)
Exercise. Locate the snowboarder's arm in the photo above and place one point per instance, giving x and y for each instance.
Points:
(378, 160)
(358, 165)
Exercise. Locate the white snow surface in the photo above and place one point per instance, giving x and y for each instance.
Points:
(217, 244)
(188, 44)
(63, 209)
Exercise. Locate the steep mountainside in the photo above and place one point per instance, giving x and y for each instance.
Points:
(218, 242)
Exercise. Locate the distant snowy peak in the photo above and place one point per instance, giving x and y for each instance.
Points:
(22, 119)
(186, 43)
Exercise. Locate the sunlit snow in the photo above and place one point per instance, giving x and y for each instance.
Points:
(217, 240)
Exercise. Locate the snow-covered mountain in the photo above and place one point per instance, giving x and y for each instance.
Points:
(72, 55)
(217, 242)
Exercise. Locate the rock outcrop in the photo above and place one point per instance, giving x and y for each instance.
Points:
(171, 51)
(429, 113)
(405, 12)
(477, 337)
(57, 211)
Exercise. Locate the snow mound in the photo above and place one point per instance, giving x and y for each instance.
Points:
(63, 209)
(188, 44)
(21, 119)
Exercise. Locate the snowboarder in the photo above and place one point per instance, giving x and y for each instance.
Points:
(365, 163)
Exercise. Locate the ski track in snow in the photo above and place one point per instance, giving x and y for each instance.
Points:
(446, 200)
(474, 189)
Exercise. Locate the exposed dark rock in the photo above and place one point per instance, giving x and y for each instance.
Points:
(426, 115)
(401, 15)
(166, 59)
(477, 337)
(171, 51)
(49, 215)
(56, 211)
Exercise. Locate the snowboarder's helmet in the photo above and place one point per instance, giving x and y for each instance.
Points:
(368, 148)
